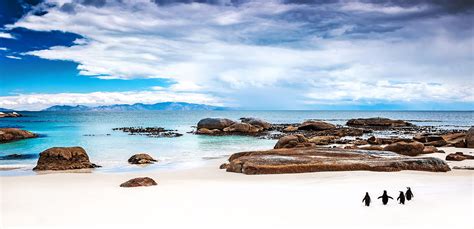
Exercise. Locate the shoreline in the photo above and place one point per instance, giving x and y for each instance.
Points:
(207, 197)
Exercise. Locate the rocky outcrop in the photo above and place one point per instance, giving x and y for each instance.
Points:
(292, 141)
(138, 182)
(64, 158)
(470, 138)
(214, 123)
(455, 139)
(377, 122)
(257, 122)
(224, 166)
(220, 126)
(404, 148)
(14, 134)
(316, 159)
(10, 115)
(141, 158)
(429, 149)
(316, 125)
(458, 156)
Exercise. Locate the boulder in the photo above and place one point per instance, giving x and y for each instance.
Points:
(322, 140)
(141, 158)
(318, 159)
(377, 122)
(458, 156)
(64, 158)
(292, 141)
(13, 134)
(214, 123)
(139, 181)
(316, 125)
(404, 148)
(290, 129)
(257, 122)
(470, 138)
(242, 128)
(429, 149)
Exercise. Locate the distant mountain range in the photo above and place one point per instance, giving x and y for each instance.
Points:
(166, 106)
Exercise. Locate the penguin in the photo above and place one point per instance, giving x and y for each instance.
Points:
(385, 197)
(366, 199)
(409, 194)
(401, 198)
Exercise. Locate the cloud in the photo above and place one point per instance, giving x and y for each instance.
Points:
(6, 35)
(292, 53)
(41, 101)
(3, 49)
(13, 57)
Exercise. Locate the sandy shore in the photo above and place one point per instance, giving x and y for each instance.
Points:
(207, 197)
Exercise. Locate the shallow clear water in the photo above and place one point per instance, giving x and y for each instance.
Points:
(111, 149)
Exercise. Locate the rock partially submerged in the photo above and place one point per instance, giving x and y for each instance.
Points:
(141, 158)
(214, 123)
(138, 182)
(458, 156)
(316, 159)
(223, 126)
(377, 122)
(14, 134)
(64, 158)
(156, 132)
(10, 115)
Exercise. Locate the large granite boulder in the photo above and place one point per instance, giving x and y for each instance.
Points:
(292, 141)
(141, 158)
(64, 158)
(323, 140)
(458, 156)
(316, 125)
(13, 134)
(214, 123)
(470, 138)
(316, 159)
(406, 148)
(138, 182)
(257, 122)
(377, 122)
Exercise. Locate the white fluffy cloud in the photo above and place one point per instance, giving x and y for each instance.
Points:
(231, 51)
(6, 35)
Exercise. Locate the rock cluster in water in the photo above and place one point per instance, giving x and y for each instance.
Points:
(141, 158)
(223, 126)
(156, 132)
(317, 159)
(10, 115)
(13, 134)
(64, 158)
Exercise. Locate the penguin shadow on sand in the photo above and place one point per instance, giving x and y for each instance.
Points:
(402, 197)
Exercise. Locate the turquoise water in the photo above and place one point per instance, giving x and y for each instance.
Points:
(111, 149)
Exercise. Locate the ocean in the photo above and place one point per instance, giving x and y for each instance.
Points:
(111, 149)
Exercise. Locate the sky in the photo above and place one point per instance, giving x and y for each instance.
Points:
(244, 54)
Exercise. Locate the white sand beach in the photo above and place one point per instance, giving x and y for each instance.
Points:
(207, 197)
